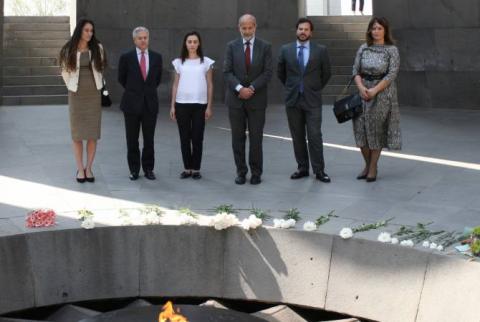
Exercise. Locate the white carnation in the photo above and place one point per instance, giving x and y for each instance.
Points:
(284, 224)
(224, 220)
(88, 223)
(151, 218)
(394, 240)
(384, 237)
(426, 244)
(346, 233)
(252, 222)
(440, 248)
(407, 243)
(433, 246)
(309, 226)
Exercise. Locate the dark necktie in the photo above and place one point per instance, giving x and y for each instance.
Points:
(301, 64)
(247, 56)
(143, 66)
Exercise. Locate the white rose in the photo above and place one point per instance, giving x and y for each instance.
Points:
(105, 93)
(309, 226)
(245, 224)
(291, 223)
(223, 220)
(277, 223)
(407, 243)
(433, 246)
(88, 223)
(440, 248)
(254, 221)
(346, 233)
(426, 244)
(394, 240)
(384, 237)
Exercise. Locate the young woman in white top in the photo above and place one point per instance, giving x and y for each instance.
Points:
(83, 61)
(191, 105)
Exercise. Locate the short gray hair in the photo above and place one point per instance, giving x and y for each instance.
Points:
(247, 17)
(138, 30)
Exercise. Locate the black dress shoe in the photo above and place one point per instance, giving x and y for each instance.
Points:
(150, 175)
(362, 176)
(133, 176)
(196, 175)
(185, 175)
(371, 179)
(322, 176)
(240, 180)
(80, 180)
(299, 174)
(255, 180)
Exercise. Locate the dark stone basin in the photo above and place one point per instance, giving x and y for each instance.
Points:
(192, 312)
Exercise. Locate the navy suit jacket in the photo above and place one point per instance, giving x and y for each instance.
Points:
(139, 92)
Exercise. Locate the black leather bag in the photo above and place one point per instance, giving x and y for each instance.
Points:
(349, 107)
(106, 101)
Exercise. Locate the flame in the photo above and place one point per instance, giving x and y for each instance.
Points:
(168, 314)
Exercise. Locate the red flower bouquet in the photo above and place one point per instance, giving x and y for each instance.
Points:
(41, 218)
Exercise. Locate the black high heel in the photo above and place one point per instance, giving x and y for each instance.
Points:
(80, 180)
(89, 179)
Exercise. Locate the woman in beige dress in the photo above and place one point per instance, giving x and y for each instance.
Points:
(83, 61)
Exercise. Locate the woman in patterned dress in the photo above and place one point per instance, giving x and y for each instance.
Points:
(83, 61)
(375, 69)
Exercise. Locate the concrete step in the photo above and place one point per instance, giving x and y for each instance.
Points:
(9, 43)
(358, 35)
(30, 61)
(339, 80)
(36, 35)
(341, 43)
(32, 80)
(337, 89)
(36, 19)
(341, 60)
(342, 70)
(348, 27)
(13, 26)
(30, 71)
(339, 19)
(31, 52)
(29, 90)
(35, 100)
(341, 52)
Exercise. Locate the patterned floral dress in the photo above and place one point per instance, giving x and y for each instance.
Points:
(379, 125)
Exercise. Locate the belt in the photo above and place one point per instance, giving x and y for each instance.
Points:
(372, 77)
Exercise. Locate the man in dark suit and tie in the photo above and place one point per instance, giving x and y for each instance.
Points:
(139, 72)
(247, 69)
(304, 70)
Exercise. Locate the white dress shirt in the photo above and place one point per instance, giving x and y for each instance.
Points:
(306, 51)
(147, 59)
(252, 41)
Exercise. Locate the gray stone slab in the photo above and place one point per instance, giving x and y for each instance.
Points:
(16, 280)
(364, 273)
(160, 273)
(279, 313)
(277, 266)
(139, 303)
(69, 313)
(450, 291)
(84, 259)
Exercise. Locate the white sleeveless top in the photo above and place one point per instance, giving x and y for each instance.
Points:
(192, 85)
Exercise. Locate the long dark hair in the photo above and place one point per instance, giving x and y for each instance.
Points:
(384, 23)
(68, 54)
(184, 51)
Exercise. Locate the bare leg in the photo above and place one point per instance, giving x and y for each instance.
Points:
(374, 156)
(91, 149)
(78, 153)
(366, 156)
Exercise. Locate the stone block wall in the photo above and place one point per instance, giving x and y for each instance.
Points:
(439, 47)
(168, 21)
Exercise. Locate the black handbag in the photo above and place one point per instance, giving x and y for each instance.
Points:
(349, 107)
(106, 101)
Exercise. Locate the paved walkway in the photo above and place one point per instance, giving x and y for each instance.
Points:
(436, 177)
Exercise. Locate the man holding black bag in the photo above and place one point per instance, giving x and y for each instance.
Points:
(304, 70)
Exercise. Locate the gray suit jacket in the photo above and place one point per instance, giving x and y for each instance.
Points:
(259, 75)
(316, 76)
